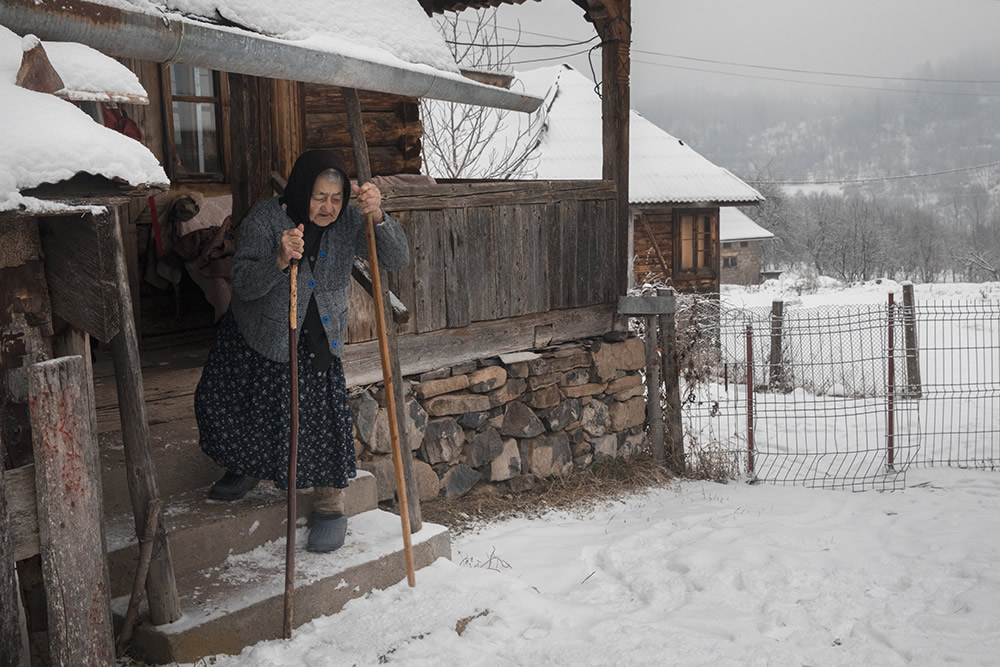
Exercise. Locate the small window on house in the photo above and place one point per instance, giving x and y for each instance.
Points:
(744, 244)
(194, 122)
(729, 261)
(696, 241)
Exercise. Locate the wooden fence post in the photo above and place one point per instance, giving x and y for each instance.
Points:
(671, 383)
(914, 387)
(12, 637)
(654, 410)
(161, 586)
(68, 486)
(776, 361)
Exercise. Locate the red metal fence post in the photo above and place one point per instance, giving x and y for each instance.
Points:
(890, 402)
(750, 445)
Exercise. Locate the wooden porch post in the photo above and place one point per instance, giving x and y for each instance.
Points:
(161, 586)
(363, 168)
(615, 28)
(68, 485)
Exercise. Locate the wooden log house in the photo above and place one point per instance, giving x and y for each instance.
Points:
(497, 267)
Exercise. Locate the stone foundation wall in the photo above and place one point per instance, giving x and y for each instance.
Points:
(508, 421)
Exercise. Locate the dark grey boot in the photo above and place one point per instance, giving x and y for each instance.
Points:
(232, 486)
(326, 532)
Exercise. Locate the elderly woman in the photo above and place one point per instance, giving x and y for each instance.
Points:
(242, 400)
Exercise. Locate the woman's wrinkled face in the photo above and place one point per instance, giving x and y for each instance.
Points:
(326, 201)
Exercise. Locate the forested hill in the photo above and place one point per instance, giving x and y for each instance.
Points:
(855, 134)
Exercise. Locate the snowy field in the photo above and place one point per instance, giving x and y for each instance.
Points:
(703, 573)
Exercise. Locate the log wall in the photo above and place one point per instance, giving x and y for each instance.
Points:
(392, 128)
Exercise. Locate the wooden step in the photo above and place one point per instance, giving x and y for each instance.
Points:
(240, 602)
(203, 532)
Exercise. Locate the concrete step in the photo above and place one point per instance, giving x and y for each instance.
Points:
(241, 601)
(203, 532)
(180, 464)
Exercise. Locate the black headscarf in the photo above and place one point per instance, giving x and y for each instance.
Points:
(299, 190)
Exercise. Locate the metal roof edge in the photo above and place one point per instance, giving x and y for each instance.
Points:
(162, 39)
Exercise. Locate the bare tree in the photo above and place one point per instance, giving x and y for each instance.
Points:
(465, 141)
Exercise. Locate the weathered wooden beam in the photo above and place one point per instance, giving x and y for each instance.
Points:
(614, 25)
(646, 305)
(79, 265)
(420, 353)
(68, 483)
(89, 190)
(12, 633)
(472, 195)
(671, 386)
(25, 331)
(382, 128)
(250, 141)
(393, 378)
(161, 587)
(320, 98)
(289, 123)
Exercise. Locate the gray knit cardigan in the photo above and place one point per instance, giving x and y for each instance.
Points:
(261, 290)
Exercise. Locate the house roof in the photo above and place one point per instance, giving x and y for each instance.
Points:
(46, 139)
(735, 225)
(662, 168)
(386, 46)
(89, 75)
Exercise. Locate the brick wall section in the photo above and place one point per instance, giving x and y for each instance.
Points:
(503, 424)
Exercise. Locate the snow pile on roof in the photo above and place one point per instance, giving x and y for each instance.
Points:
(393, 32)
(735, 225)
(87, 73)
(662, 169)
(46, 140)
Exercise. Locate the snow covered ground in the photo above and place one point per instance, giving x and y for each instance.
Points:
(701, 573)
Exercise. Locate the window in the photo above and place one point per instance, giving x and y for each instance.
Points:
(729, 261)
(194, 123)
(695, 242)
(744, 244)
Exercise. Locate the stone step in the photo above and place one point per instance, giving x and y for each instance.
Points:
(203, 532)
(241, 601)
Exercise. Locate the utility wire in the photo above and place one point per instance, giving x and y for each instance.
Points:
(809, 71)
(877, 180)
(754, 66)
(819, 83)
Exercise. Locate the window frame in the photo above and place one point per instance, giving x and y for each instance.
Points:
(221, 101)
(712, 257)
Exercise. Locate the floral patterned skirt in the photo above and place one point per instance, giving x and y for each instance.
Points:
(242, 407)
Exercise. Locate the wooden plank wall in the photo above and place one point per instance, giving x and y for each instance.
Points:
(392, 128)
(488, 251)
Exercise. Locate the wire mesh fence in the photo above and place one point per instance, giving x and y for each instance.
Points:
(838, 396)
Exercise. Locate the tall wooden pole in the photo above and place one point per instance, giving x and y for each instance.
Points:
(393, 391)
(161, 586)
(615, 29)
(293, 446)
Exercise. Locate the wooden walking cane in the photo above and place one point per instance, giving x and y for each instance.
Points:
(363, 169)
(293, 446)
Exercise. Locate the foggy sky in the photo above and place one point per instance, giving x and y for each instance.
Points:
(874, 37)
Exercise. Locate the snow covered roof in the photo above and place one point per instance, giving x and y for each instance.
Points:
(380, 45)
(662, 168)
(87, 73)
(46, 139)
(735, 225)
